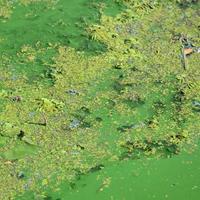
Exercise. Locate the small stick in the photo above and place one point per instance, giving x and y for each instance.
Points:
(37, 123)
(183, 55)
(183, 58)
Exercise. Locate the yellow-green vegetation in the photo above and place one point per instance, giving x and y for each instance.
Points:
(5, 9)
(136, 99)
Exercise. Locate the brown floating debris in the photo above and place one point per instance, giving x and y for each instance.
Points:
(188, 51)
(16, 98)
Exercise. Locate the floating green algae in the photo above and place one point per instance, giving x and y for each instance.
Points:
(102, 113)
(19, 151)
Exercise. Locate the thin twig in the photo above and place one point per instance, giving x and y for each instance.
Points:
(183, 59)
(183, 56)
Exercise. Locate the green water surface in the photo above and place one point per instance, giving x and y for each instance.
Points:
(170, 177)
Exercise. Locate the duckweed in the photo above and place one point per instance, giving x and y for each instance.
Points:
(128, 101)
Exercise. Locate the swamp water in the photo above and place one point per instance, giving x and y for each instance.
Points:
(98, 100)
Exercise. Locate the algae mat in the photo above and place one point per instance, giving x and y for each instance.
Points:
(99, 99)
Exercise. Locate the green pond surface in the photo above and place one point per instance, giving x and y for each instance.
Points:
(30, 41)
(174, 178)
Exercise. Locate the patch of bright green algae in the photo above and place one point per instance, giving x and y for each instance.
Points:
(103, 112)
(19, 151)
